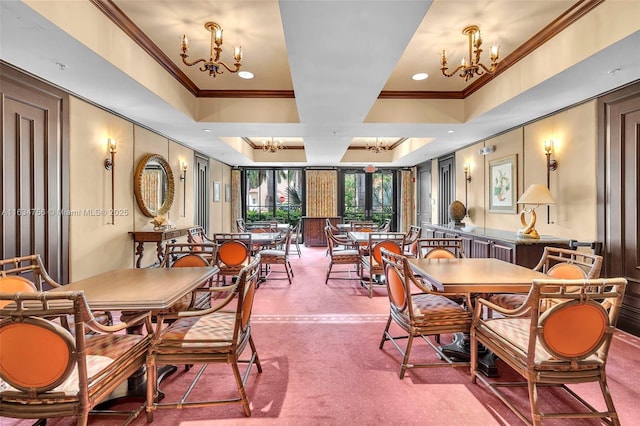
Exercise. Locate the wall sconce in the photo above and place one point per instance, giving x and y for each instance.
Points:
(183, 178)
(110, 164)
(467, 179)
(552, 165)
(183, 170)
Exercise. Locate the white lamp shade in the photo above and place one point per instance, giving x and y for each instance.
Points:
(536, 194)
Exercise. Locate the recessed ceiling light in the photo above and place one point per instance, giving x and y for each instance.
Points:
(451, 131)
(206, 130)
(246, 75)
(420, 76)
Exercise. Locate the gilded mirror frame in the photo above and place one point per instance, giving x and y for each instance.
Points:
(138, 183)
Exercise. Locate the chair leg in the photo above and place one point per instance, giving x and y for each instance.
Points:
(326, 279)
(405, 359)
(255, 353)
(608, 400)
(533, 401)
(241, 390)
(384, 333)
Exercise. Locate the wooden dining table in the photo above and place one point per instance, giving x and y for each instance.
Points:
(150, 290)
(472, 276)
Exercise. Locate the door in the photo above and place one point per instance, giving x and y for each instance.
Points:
(34, 172)
(202, 192)
(619, 222)
(368, 196)
(424, 194)
(446, 187)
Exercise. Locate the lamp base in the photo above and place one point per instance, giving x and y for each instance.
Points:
(528, 230)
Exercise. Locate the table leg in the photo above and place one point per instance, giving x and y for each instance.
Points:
(139, 252)
(460, 349)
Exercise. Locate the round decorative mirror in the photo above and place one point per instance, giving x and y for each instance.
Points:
(153, 185)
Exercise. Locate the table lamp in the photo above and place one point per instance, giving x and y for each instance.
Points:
(535, 195)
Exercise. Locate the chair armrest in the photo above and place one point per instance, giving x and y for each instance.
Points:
(522, 310)
(143, 317)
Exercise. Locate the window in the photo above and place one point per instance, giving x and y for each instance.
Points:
(368, 196)
(273, 194)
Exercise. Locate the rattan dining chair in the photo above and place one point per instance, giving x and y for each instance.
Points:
(277, 256)
(234, 253)
(349, 255)
(31, 268)
(444, 248)
(419, 314)
(218, 335)
(371, 259)
(558, 263)
(411, 241)
(48, 371)
(558, 344)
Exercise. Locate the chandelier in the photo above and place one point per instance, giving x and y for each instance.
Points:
(214, 64)
(472, 66)
(377, 148)
(269, 145)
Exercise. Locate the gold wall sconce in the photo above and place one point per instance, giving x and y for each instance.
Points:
(183, 170)
(183, 178)
(110, 164)
(535, 195)
(552, 165)
(467, 179)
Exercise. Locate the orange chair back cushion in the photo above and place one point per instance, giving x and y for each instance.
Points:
(440, 253)
(15, 284)
(574, 329)
(566, 271)
(21, 362)
(190, 261)
(247, 304)
(396, 286)
(389, 245)
(233, 253)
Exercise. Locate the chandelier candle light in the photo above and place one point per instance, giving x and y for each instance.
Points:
(213, 65)
(472, 67)
(269, 145)
(379, 147)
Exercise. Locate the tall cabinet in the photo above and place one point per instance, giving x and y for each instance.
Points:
(313, 229)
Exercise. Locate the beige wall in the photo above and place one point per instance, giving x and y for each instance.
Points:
(95, 244)
(573, 184)
(220, 219)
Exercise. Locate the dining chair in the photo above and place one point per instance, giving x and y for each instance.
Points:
(371, 260)
(386, 226)
(437, 248)
(218, 335)
(296, 237)
(191, 255)
(348, 255)
(31, 269)
(557, 347)
(48, 371)
(234, 253)
(419, 314)
(277, 256)
(411, 241)
(559, 263)
(241, 225)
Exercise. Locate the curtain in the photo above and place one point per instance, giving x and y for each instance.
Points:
(407, 201)
(236, 197)
(322, 193)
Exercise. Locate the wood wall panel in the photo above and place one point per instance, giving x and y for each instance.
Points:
(33, 159)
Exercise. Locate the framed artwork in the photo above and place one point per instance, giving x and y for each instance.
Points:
(503, 185)
(216, 191)
(227, 192)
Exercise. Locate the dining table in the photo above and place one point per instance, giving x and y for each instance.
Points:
(473, 277)
(134, 289)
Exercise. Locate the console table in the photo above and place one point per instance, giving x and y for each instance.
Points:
(158, 237)
(313, 229)
(493, 243)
